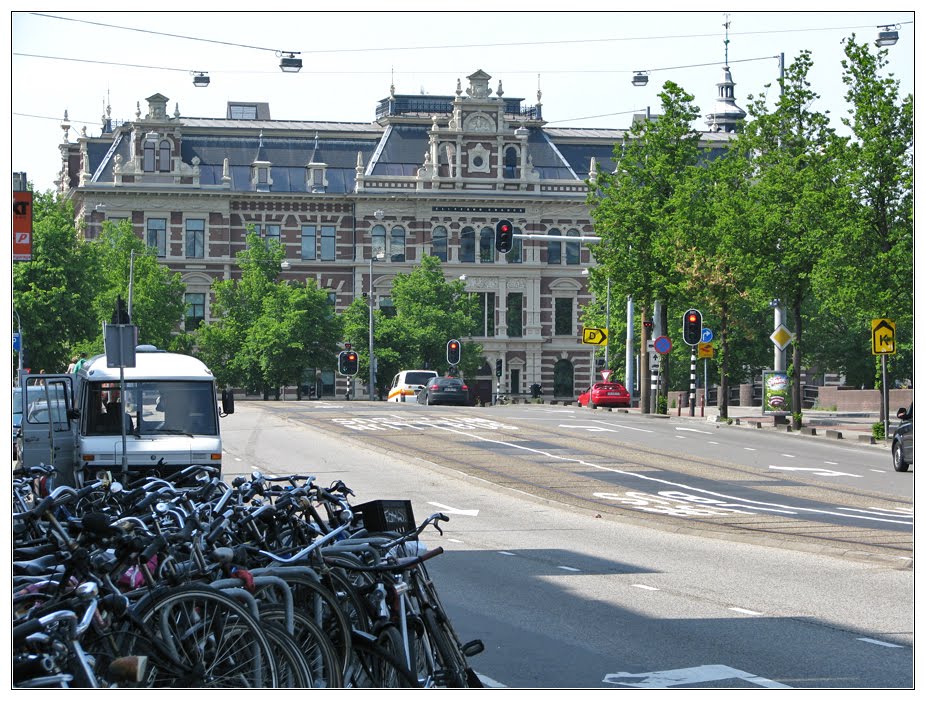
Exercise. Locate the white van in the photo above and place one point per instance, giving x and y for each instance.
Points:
(168, 418)
(408, 383)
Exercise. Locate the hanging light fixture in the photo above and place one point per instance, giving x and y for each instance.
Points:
(200, 79)
(640, 78)
(888, 36)
(289, 63)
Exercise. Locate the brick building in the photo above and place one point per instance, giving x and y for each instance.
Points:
(429, 176)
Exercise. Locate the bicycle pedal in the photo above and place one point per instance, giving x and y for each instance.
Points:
(473, 647)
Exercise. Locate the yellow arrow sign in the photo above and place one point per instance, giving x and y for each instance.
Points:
(597, 337)
(882, 336)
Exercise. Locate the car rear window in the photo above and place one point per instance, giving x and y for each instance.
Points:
(418, 378)
(610, 386)
(450, 383)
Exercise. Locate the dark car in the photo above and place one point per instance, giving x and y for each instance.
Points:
(902, 444)
(605, 394)
(17, 414)
(445, 390)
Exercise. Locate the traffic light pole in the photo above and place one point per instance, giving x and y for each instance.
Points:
(694, 382)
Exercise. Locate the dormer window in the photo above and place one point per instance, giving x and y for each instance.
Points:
(156, 156)
(316, 178)
(164, 156)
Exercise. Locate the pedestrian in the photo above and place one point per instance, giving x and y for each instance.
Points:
(72, 365)
(80, 362)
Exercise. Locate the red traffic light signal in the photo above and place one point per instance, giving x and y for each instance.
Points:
(453, 352)
(504, 236)
(691, 327)
(348, 362)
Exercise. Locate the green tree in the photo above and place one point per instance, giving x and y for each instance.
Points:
(868, 271)
(631, 206)
(800, 197)
(53, 294)
(157, 294)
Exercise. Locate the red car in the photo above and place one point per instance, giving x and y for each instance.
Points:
(605, 394)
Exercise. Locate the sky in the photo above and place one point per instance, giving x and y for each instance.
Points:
(582, 61)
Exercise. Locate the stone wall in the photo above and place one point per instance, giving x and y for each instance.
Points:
(843, 399)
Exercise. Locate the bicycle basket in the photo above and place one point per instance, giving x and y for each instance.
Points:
(387, 515)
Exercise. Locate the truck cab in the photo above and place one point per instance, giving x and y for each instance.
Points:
(152, 419)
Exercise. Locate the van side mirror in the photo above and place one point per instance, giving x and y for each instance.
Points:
(228, 402)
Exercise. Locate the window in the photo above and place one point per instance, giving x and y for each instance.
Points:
(468, 245)
(554, 249)
(271, 233)
(387, 307)
(195, 310)
(195, 238)
(515, 314)
(149, 157)
(242, 111)
(308, 242)
(485, 314)
(487, 245)
(328, 243)
(516, 254)
(157, 236)
(439, 243)
(562, 322)
(164, 157)
(263, 176)
(572, 248)
(511, 162)
(377, 240)
(397, 245)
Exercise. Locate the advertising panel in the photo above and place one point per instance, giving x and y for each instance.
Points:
(776, 393)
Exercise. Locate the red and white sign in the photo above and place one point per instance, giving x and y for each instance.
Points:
(22, 225)
(606, 375)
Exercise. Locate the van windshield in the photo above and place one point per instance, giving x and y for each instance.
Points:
(153, 408)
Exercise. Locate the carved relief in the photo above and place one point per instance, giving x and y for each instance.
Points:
(478, 122)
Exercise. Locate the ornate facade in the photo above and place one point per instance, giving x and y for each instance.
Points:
(430, 176)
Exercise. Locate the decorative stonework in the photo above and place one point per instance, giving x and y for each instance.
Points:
(479, 159)
(478, 122)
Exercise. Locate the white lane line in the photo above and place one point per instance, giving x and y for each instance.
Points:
(786, 455)
(568, 569)
(752, 449)
(713, 442)
(505, 552)
(878, 642)
(828, 462)
(455, 540)
(745, 611)
(645, 586)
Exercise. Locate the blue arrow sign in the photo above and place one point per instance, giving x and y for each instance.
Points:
(706, 335)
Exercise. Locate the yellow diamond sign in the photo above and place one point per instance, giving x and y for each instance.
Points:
(781, 337)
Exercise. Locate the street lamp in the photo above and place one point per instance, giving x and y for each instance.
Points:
(381, 255)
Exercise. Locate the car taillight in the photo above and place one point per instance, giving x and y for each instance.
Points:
(464, 387)
(432, 386)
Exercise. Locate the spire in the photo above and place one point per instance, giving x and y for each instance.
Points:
(727, 115)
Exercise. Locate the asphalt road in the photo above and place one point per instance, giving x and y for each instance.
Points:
(570, 590)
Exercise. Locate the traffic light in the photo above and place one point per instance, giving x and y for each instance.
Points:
(691, 327)
(453, 352)
(504, 236)
(347, 362)
(498, 367)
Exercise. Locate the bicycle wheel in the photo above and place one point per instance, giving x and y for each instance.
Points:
(196, 636)
(451, 663)
(373, 667)
(314, 646)
(292, 667)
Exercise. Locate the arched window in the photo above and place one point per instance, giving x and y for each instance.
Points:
(572, 248)
(468, 245)
(554, 249)
(164, 157)
(439, 243)
(397, 245)
(511, 162)
(149, 157)
(487, 245)
(563, 379)
(377, 240)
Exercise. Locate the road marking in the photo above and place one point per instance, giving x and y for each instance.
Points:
(786, 455)
(505, 552)
(456, 512)
(746, 611)
(878, 642)
(568, 569)
(694, 430)
(827, 462)
(713, 442)
(645, 586)
(691, 675)
(752, 449)
(818, 471)
(740, 502)
(456, 540)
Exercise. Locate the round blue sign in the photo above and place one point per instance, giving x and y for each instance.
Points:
(662, 345)
(706, 335)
